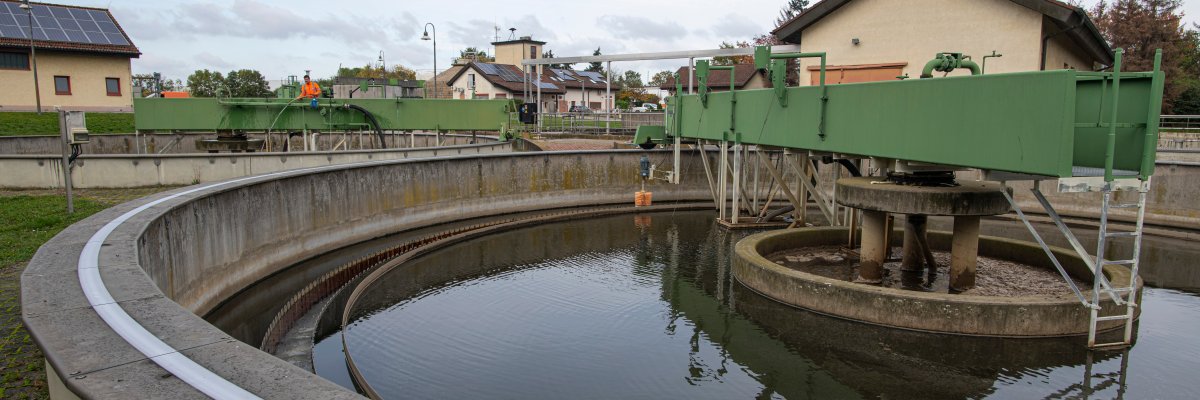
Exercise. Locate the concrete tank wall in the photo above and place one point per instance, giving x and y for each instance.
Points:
(201, 245)
(183, 143)
(135, 170)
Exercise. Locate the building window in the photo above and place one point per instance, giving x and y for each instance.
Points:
(533, 55)
(62, 85)
(113, 86)
(10, 60)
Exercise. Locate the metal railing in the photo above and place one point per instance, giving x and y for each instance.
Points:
(1179, 132)
(1180, 123)
(618, 123)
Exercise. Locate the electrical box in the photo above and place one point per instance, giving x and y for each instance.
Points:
(79, 136)
(76, 127)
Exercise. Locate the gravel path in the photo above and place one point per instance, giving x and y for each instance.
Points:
(993, 277)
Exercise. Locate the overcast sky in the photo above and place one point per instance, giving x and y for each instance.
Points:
(281, 38)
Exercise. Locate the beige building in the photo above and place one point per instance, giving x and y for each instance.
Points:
(561, 89)
(869, 40)
(82, 57)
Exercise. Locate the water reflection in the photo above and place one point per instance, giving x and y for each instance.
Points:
(622, 307)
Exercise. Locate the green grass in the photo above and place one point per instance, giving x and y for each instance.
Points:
(28, 221)
(29, 123)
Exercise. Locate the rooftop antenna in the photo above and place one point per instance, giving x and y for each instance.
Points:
(496, 27)
(512, 33)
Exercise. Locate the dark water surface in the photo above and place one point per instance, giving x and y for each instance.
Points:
(644, 307)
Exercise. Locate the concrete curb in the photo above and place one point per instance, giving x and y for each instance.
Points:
(180, 258)
(1026, 316)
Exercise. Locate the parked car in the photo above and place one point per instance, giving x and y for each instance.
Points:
(580, 110)
(648, 107)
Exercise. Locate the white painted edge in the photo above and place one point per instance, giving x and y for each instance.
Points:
(167, 357)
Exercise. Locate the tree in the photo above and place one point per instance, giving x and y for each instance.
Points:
(550, 54)
(628, 80)
(731, 60)
(205, 83)
(1142, 26)
(369, 71)
(471, 53)
(146, 83)
(1188, 102)
(791, 10)
(661, 77)
(596, 66)
(247, 83)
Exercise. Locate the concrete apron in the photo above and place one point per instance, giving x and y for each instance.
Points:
(179, 253)
(1024, 316)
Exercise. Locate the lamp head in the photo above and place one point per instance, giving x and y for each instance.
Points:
(25, 5)
(426, 35)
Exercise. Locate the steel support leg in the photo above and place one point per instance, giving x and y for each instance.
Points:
(964, 252)
(912, 259)
(873, 253)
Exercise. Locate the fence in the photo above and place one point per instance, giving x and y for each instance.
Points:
(1179, 132)
(625, 123)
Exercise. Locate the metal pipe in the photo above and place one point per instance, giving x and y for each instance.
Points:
(1111, 148)
(824, 88)
(608, 96)
(37, 91)
(1150, 145)
(983, 69)
(64, 131)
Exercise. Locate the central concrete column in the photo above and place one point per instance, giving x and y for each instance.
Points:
(874, 250)
(964, 252)
(912, 259)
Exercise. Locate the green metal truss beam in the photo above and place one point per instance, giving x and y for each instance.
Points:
(212, 114)
(1041, 123)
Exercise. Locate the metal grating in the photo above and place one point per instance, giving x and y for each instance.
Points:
(60, 24)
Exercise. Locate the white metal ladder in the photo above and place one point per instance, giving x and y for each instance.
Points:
(1125, 295)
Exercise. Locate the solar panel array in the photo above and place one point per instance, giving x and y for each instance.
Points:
(594, 76)
(504, 73)
(60, 24)
(563, 74)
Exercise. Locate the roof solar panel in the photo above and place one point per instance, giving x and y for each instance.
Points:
(62, 13)
(117, 39)
(60, 24)
(108, 27)
(88, 25)
(508, 74)
(12, 31)
(76, 36)
(547, 85)
(486, 68)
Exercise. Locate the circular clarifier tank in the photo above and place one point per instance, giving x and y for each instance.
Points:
(646, 306)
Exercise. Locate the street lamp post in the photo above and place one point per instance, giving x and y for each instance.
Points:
(383, 64)
(37, 93)
(426, 37)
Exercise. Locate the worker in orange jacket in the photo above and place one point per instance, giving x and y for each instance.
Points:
(310, 89)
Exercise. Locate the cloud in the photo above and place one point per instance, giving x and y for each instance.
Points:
(629, 27)
(528, 25)
(738, 27)
(212, 60)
